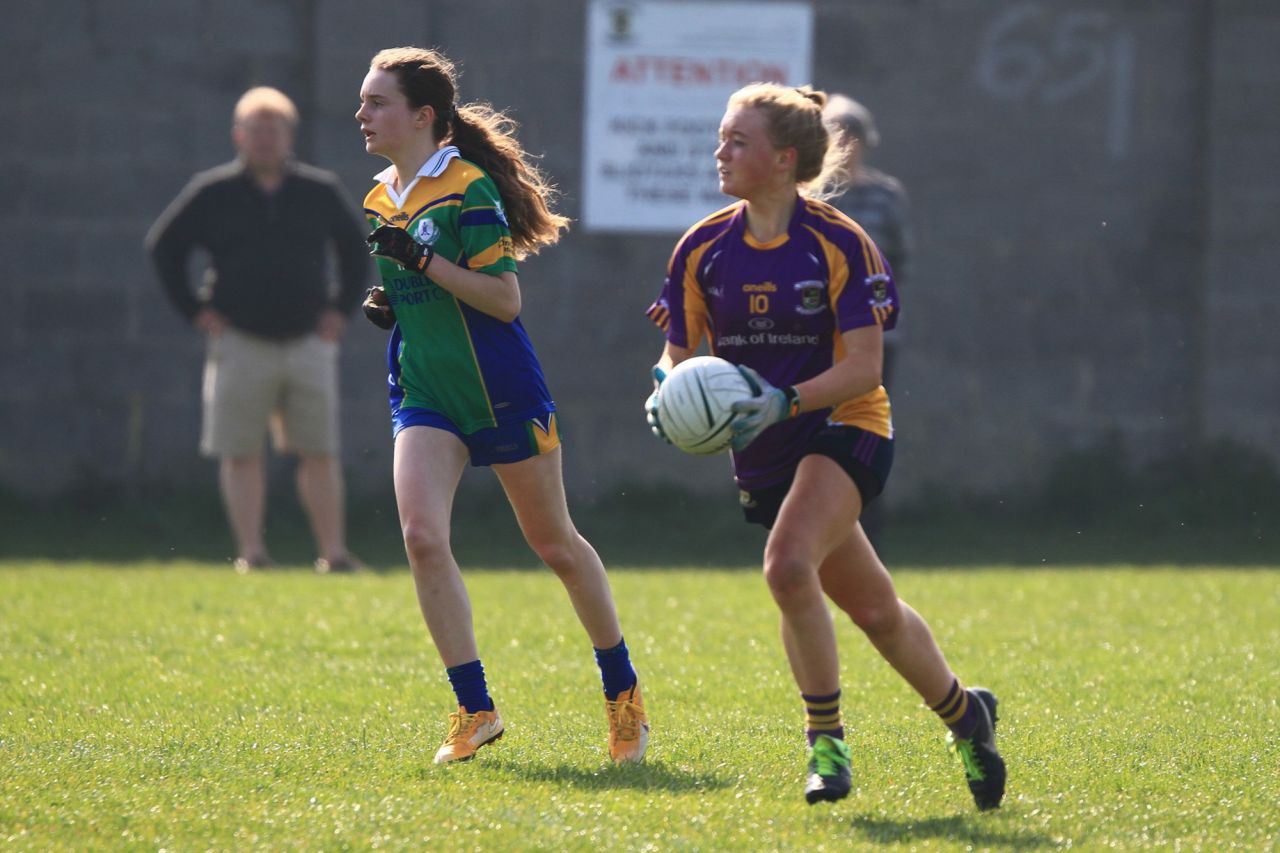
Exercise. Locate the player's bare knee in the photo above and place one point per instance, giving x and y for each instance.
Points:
(426, 545)
(788, 574)
(558, 552)
(877, 618)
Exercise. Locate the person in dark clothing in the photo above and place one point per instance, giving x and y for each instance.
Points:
(272, 318)
(878, 202)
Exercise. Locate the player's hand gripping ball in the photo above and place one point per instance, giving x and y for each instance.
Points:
(378, 308)
(763, 409)
(695, 404)
(651, 405)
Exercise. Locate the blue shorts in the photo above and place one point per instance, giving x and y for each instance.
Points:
(864, 456)
(500, 445)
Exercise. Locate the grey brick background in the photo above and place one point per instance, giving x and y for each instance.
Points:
(1096, 189)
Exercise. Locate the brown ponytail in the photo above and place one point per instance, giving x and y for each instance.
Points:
(484, 136)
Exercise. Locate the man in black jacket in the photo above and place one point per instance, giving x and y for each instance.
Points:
(272, 318)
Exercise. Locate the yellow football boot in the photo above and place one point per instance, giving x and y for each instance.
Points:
(467, 733)
(628, 726)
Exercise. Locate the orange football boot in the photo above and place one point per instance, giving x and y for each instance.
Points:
(467, 733)
(628, 726)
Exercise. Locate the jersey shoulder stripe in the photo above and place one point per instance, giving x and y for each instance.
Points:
(707, 228)
(497, 253)
(697, 239)
(449, 188)
(452, 198)
(829, 214)
(830, 223)
(480, 216)
(713, 218)
(660, 315)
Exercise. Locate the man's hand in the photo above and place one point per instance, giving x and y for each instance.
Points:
(331, 325)
(395, 244)
(378, 308)
(651, 405)
(210, 322)
(758, 413)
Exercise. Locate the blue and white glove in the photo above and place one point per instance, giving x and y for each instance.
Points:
(651, 405)
(758, 413)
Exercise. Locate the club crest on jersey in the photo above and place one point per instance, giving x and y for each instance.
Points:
(425, 232)
(879, 285)
(812, 294)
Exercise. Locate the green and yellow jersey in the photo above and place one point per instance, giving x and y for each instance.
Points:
(444, 355)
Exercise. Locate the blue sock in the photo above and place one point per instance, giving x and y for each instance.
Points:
(616, 671)
(468, 685)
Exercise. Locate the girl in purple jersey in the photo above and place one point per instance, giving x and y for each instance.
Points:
(798, 296)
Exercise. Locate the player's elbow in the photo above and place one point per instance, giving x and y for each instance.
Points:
(508, 307)
(507, 311)
(864, 375)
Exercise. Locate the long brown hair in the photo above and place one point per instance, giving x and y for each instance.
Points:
(484, 136)
(793, 119)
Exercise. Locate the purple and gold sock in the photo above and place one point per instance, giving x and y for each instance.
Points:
(822, 716)
(957, 711)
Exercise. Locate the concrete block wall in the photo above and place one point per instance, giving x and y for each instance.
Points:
(1241, 305)
(1094, 187)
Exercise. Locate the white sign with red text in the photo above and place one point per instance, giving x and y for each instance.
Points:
(658, 76)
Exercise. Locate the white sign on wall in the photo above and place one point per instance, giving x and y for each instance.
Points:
(658, 76)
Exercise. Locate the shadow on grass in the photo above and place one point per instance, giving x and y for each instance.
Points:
(985, 831)
(649, 776)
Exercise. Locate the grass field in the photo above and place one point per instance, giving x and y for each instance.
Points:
(180, 707)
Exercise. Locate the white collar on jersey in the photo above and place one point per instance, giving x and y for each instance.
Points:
(433, 168)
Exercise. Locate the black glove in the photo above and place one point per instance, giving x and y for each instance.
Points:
(378, 309)
(395, 244)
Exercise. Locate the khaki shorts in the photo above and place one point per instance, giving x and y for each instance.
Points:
(252, 384)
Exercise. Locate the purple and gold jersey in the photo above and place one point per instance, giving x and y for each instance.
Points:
(780, 307)
(444, 355)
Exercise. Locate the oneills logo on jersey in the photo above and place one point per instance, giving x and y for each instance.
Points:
(811, 292)
(400, 217)
(426, 231)
(501, 214)
(881, 304)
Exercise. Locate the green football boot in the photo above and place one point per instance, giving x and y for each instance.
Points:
(983, 766)
(829, 775)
